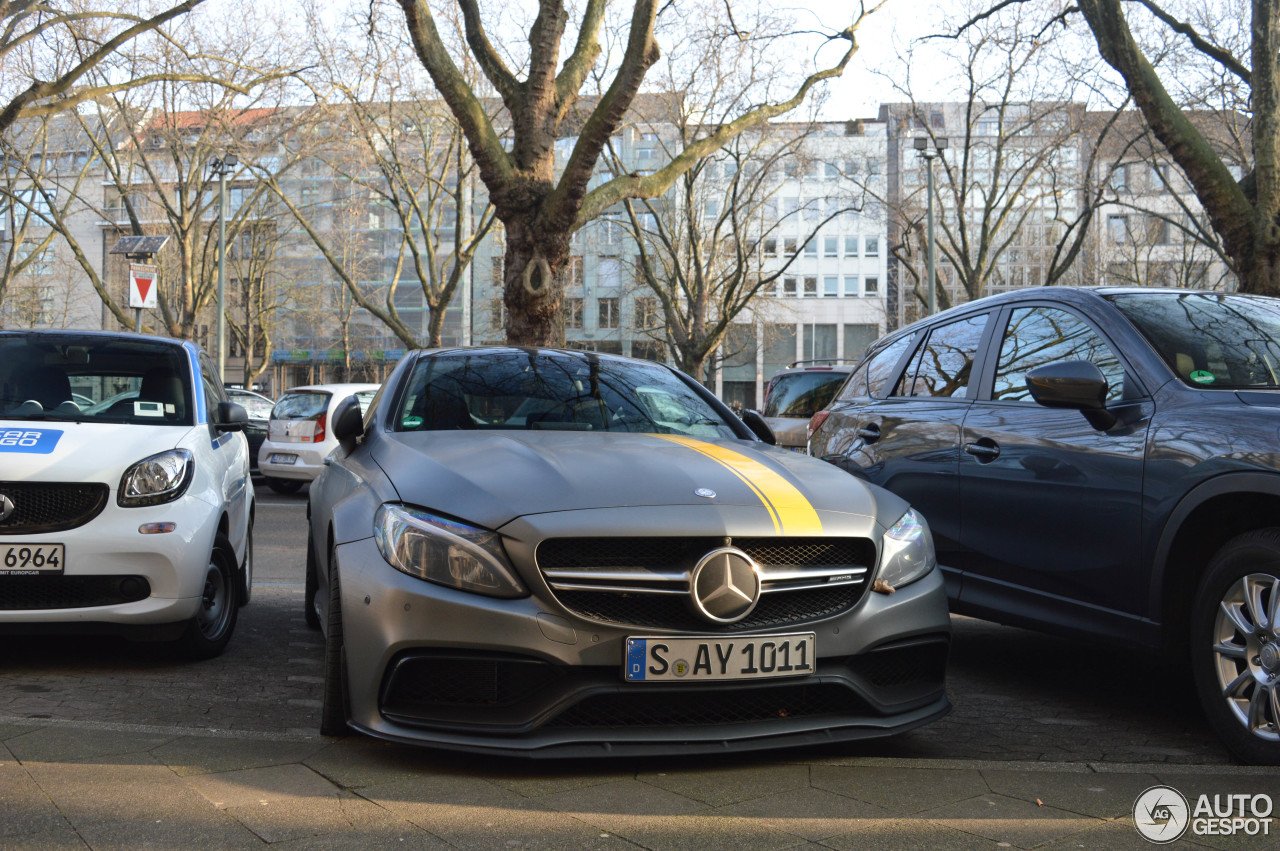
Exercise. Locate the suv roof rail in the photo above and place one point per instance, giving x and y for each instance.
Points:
(832, 361)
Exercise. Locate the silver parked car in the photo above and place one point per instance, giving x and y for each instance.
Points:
(544, 552)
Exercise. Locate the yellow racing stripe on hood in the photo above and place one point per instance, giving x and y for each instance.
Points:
(790, 511)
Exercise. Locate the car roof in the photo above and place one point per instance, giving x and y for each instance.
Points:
(98, 335)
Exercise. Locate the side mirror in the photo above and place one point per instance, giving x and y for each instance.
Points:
(759, 427)
(1077, 384)
(348, 422)
(230, 417)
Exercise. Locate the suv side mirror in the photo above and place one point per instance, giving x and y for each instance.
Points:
(348, 422)
(1077, 384)
(229, 416)
(759, 427)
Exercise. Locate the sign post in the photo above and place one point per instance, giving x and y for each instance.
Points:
(142, 289)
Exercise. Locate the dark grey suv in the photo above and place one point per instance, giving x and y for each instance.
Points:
(1101, 462)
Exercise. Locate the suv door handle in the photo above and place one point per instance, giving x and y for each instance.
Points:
(870, 432)
(985, 450)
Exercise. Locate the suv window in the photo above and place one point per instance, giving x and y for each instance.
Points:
(1037, 336)
(802, 394)
(871, 378)
(943, 365)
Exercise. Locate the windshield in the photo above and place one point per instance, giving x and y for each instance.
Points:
(541, 391)
(94, 379)
(802, 394)
(257, 407)
(1211, 340)
(300, 406)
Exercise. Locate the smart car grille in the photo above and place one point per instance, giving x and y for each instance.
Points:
(28, 593)
(709, 708)
(644, 582)
(40, 507)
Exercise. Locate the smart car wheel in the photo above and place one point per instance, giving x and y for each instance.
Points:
(284, 486)
(312, 583)
(1236, 646)
(333, 709)
(209, 631)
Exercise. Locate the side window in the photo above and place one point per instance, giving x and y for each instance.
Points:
(213, 392)
(1040, 335)
(871, 378)
(943, 365)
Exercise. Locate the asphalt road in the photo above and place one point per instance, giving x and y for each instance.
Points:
(1018, 695)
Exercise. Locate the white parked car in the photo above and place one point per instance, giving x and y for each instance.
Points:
(133, 517)
(300, 434)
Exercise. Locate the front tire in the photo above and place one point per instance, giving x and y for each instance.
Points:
(333, 709)
(1235, 646)
(312, 585)
(208, 633)
(284, 486)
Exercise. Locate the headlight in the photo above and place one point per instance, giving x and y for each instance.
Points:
(907, 551)
(447, 552)
(156, 480)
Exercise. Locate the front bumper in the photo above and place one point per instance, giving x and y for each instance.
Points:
(432, 665)
(115, 576)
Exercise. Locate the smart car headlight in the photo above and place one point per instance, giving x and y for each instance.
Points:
(155, 480)
(907, 550)
(445, 551)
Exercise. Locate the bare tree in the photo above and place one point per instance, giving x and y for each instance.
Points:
(54, 53)
(539, 204)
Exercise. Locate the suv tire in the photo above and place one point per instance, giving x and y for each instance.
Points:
(1235, 645)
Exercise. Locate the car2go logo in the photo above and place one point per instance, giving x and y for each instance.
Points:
(32, 441)
(1161, 814)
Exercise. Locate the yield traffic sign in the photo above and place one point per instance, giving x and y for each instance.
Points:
(142, 285)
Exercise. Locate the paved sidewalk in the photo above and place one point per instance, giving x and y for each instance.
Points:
(106, 786)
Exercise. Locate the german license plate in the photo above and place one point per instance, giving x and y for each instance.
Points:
(665, 658)
(283, 459)
(31, 559)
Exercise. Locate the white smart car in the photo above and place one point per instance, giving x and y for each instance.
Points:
(300, 434)
(133, 517)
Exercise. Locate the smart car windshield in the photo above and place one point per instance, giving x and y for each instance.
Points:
(1211, 340)
(541, 391)
(94, 379)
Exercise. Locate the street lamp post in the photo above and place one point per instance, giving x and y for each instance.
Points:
(222, 166)
(922, 147)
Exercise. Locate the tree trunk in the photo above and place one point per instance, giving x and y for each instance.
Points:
(1259, 267)
(533, 290)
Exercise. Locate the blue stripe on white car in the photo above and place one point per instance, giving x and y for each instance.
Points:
(33, 441)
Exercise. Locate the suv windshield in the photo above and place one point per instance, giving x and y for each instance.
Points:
(94, 379)
(506, 390)
(802, 394)
(1211, 340)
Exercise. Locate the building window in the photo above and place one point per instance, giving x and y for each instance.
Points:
(789, 287)
(609, 272)
(1120, 179)
(495, 271)
(1118, 229)
(647, 313)
(851, 246)
(573, 313)
(771, 247)
(790, 246)
(872, 246)
(608, 313)
(811, 247)
(831, 171)
(573, 272)
(851, 286)
(831, 286)
(811, 287)
(871, 286)
(831, 246)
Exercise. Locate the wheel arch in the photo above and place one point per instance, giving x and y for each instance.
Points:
(1204, 520)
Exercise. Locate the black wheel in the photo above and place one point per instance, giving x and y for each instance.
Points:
(209, 631)
(312, 582)
(1235, 646)
(333, 710)
(246, 569)
(284, 486)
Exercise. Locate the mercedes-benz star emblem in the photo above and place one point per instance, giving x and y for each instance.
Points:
(6, 507)
(708, 493)
(725, 585)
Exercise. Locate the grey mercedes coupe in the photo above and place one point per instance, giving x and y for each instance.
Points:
(558, 553)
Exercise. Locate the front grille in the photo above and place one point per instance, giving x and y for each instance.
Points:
(28, 593)
(41, 507)
(710, 708)
(644, 582)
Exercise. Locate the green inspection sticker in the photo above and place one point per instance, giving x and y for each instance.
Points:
(414, 422)
(1200, 376)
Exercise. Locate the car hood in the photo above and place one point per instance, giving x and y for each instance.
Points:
(491, 478)
(51, 451)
